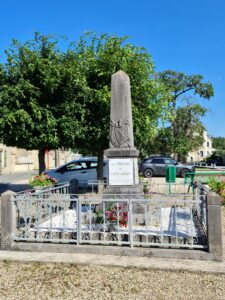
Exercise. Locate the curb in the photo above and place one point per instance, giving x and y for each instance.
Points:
(165, 264)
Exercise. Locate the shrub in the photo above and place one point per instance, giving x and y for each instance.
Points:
(218, 186)
(42, 180)
(146, 184)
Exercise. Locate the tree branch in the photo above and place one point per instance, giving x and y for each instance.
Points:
(184, 91)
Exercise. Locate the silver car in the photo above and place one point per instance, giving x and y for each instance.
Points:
(83, 169)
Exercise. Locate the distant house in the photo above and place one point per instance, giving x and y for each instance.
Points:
(14, 160)
(202, 152)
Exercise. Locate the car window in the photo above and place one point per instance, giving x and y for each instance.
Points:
(91, 164)
(158, 161)
(169, 161)
(74, 166)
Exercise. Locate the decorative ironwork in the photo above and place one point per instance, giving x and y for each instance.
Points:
(175, 220)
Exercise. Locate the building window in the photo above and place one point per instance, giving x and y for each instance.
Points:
(5, 158)
(207, 144)
(201, 153)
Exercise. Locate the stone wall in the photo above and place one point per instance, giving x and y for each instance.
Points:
(14, 160)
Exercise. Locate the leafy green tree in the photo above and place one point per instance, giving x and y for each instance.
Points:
(218, 143)
(189, 130)
(162, 143)
(51, 99)
(189, 135)
(186, 128)
(98, 58)
(34, 81)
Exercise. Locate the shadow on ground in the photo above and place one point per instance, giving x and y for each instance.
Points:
(13, 187)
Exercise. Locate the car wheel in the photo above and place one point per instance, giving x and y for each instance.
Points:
(183, 172)
(148, 173)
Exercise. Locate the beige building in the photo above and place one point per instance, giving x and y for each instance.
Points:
(14, 160)
(203, 152)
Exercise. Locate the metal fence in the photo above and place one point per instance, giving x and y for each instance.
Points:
(203, 177)
(59, 188)
(91, 186)
(169, 188)
(200, 215)
(176, 220)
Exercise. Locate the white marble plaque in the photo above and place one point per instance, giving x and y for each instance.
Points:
(121, 171)
(136, 175)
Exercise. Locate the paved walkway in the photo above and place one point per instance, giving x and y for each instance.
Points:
(15, 182)
(113, 260)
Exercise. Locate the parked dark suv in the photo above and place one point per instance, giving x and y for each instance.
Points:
(156, 165)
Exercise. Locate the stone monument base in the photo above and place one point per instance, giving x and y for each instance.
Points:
(124, 189)
(121, 152)
(123, 171)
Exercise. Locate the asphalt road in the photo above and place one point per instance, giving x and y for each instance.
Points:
(15, 182)
(18, 182)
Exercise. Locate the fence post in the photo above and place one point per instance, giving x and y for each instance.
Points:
(214, 222)
(79, 225)
(8, 220)
(130, 221)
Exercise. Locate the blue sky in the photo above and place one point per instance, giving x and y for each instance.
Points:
(187, 36)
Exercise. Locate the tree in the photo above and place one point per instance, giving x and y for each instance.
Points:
(98, 58)
(62, 99)
(218, 143)
(34, 82)
(189, 134)
(186, 128)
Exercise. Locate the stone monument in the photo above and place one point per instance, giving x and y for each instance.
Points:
(122, 155)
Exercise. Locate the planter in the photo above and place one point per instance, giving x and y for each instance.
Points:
(37, 189)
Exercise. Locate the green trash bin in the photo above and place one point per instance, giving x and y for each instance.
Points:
(170, 174)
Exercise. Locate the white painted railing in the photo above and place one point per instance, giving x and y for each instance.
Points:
(156, 219)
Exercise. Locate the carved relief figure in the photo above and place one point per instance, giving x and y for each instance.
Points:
(119, 133)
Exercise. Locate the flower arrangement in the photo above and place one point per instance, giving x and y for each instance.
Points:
(218, 187)
(113, 214)
(117, 212)
(42, 180)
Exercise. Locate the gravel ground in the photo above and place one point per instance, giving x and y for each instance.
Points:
(61, 281)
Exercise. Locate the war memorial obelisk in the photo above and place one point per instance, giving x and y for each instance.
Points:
(122, 155)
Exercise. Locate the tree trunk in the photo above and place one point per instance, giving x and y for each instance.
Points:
(100, 165)
(178, 157)
(41, 160)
